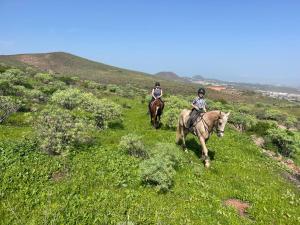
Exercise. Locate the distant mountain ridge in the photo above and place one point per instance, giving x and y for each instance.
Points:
(171, 76)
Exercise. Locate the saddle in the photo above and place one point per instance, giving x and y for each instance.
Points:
(151, 104)
(193, 119)
(197, 116)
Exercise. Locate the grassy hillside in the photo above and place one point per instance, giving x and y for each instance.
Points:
(100, 184)
(92, 181)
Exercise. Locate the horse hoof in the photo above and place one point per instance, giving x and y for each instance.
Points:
(207, 164)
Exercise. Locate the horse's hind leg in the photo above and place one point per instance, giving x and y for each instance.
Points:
(178, 134)
(204, 152)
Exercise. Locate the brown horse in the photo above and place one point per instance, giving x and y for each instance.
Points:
(203, 128)
(156, 108)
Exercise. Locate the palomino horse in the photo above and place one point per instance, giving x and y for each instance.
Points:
(156, 108)
(203, 128)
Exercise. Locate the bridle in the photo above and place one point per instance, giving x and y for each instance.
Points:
(217, 130)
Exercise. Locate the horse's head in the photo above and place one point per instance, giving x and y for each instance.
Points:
(221, 122)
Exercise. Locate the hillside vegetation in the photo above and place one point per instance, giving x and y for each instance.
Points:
(65, 65)
(76, 151)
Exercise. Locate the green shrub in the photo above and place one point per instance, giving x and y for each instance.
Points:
(3, 67)
(271, 114)
(160, 169)
(58, 130)
(8, 106)
(14, 75)
(157, 172)
(103, 110)
(177, 102)
(69, 80)
(242, 121)
(291, 121)
(168, 151)
(173, 106)
(132, 144)
(45, 78)
(6, 88)
(113, 88)
(170, 118)
(245, 109)
(91, 84)
(52, 87)
(288, 143)
(34, 95)
(262, 126)
(17, 77)
(69, 98)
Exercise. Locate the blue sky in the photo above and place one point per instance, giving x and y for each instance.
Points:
(249, 41)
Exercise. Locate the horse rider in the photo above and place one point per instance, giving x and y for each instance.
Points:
(199, 107)
(156, 93)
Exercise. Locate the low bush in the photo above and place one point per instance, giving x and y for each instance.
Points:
(170, 118)
(291, 121)
(242, 121)
(288, 143)
(8, 106)
(68, 99)
(218, 105)
(16, 77)
(174, 105)
(245, 109)
(68, 80)
(44, 77)
(132, 144)
(89, 84)
(58, 130)
(6, 88)
(103, 110)
(160, 169)
(113, 88)
(271, 114)
(262, 126)
(168, 151)
(157, 172)
(52, 87)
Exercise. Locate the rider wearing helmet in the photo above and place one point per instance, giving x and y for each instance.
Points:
(199, 106)
(156, 93)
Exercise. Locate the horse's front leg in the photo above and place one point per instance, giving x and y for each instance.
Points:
(183, 136)
(204, 152)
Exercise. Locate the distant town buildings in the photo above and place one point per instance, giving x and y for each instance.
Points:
(281, 95)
